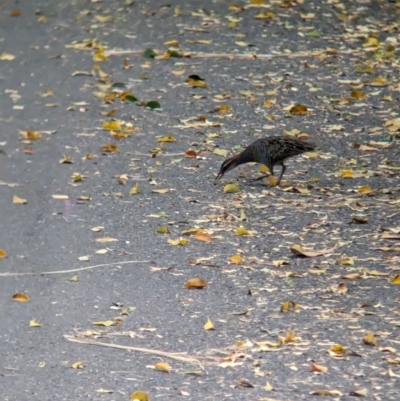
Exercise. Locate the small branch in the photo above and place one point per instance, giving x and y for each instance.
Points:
(74, 270)
(245, 56)
(172, 355)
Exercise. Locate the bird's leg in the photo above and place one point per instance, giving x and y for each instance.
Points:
(281, 174)
(271, 172)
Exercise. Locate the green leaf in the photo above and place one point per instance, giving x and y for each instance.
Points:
(153, 104)
(149, 53)
(314, 33)
(130, 98)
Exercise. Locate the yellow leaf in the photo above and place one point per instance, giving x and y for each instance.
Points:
(231, 188)
(352, 276)
(60, 197)
(181, 241)
(160, 191)
(77, 177)
(379, 81)
(357, 95)
(139, 396)
(66, 160)
(209, 325)
(196, 282)
(163, 230)
(365, 189)
(223, 109)
(371, 42)
(203, 237)
(269, 103)
(106, 239)
(78, 365)
(108, 323)
(369, 339)
(20, 297)
(99, 55)
(396, 279)
(268, 387)
(338, 349)
(347, 173)
(298, 109)
(135, 190)
(3, 254)
(74, 278)
(235, 259)
(171, 43)
(163, 367)
(241, 231)
(177, 73)
(166, 138)
(220, 152)
(19, 201)
(34, 323)
(6, 56)
(109, 148)
(112, 125)
(280, 262)
(347, 261)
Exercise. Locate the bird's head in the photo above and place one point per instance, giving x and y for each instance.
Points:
(227, 165)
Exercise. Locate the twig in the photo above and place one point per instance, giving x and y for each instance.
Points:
(74, 270)
(245, 56)
(173, 355)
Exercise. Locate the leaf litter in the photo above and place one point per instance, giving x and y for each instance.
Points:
(337, 200)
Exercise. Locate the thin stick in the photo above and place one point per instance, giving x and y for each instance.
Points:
(163, 354)
(74, 270)
(246, 56)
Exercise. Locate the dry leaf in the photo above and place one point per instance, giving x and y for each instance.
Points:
(298, 109)
(241, 231)
(3, 254)
(139, 396)
(203, 237)
(209, 325)
(370, 339)
(19, 201)
(34, 323)
(135, 189)
(395, 279)
(108, 323)
(166, 138)
(106, 239)
(231, 188)
(318, 368)
(298, 250)
(160, 191)
(196, 282)
(78, 365)
(235, 259)
(181, 241)
(163, 367)
(20, 297)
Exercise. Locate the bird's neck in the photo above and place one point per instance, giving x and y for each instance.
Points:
(244, 157)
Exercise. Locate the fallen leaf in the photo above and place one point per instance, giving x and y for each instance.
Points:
(203, 237)
(298, 109)
(241, 231)
(163, 230)
(106, 239)
(20, 297)
(365, 189)
(34, 323)
(209, 325)
(370, 339)
(318, 368)
(298, 250)
(163, 367)
(181, 241)
(220, 152)
(160, 191)
(19, 201)
(139, 396)
(78, 365)
(395, 279)
(196, 282)
(231, 188)
(135, 189)
(235, 259)
(3, 254)
(108, 323)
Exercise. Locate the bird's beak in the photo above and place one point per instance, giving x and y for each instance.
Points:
(220, 174)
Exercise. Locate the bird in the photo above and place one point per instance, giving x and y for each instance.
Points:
(270, 151)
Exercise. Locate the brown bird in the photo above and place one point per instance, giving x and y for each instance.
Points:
(269, 151)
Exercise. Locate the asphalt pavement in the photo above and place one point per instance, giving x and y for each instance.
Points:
(109, 206)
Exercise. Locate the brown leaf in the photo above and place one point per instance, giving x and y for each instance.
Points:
(298, 109)
(298, 250)
(318, 368)
(203, 237)
(196, 282)
(163, 367)
(19, 201)
(20, 297)
(370, 339)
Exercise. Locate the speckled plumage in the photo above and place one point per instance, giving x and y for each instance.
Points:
(270, 151)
